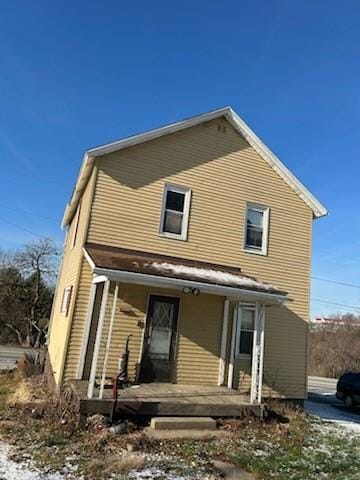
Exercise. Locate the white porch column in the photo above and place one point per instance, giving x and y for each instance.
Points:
(98, 339)
(224, 337)
(258, 354)
(108, 341)
(230, 380)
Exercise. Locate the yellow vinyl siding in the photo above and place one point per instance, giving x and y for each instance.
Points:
(78, 322)
(224, 173)
(198, 352)
(69, 274)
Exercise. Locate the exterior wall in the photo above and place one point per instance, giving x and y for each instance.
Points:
(281, 377)
(69, 275)
(199, 331)
(224, 173)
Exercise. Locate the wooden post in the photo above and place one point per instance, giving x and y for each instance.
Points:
(258, 354)
(232, 348)
(108, 342)
(98, 339)
(224, 337)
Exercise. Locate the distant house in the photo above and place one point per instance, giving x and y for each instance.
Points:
(335, 321)
(195, 239)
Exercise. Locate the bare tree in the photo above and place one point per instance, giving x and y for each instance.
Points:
(335, 347)
(37, 262)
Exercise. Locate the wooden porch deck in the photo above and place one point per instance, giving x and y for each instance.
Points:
(166, 399)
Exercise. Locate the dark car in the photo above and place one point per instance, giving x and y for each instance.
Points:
(348, 389)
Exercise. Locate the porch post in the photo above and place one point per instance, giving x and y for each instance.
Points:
(108, 341)
(232, 348)
(258, 354)
(224, 336)
(98, 339)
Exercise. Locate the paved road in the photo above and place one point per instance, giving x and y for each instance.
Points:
(9, 355)
(322, 402)
(322, 389)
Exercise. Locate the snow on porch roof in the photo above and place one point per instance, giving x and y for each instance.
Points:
(104, 257)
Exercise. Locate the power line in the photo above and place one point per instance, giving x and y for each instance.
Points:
(336, 282)
(22, 228)
(28, 213)
(320, 300)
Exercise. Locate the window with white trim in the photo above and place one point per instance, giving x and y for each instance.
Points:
(175, 212)
(256, 229)
(245, 331)
(66, 300)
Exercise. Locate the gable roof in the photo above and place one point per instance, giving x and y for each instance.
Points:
(90, 155)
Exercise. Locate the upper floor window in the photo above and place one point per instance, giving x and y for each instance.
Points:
(245, 331)
(256, 230)
(175, 212)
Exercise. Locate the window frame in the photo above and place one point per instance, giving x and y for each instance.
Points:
(266, 217)
(238, 355)
(186, 212)
(66, 301)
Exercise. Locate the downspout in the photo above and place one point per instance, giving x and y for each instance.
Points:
(230, 381)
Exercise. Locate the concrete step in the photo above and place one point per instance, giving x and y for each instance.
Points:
(183, 423)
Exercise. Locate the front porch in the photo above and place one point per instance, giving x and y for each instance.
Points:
(185, 319)
(166, 399)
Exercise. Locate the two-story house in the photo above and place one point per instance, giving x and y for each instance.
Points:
(196, 239)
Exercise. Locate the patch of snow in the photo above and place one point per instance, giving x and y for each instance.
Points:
(335, 415)
(154, 473)
(216, 276)
(10, 470)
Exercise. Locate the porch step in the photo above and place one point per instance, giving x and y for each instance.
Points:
(183, 423)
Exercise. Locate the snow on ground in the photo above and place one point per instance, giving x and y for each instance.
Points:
(334, 414)
(10, 470)
(153, 473)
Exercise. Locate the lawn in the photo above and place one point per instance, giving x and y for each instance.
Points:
(45, 436)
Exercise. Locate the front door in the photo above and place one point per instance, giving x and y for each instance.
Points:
(159, 339)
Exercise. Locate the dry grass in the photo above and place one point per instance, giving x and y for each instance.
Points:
(29, 365)
(273, 448)
(26, 392)
(114, 464)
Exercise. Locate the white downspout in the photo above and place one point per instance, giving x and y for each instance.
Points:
(232, 348)
(98, 340)
(224, 336)
(108, 342)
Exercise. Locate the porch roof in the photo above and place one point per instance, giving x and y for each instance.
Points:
(143, 267)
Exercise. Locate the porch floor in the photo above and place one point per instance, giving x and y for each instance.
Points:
(167, 399)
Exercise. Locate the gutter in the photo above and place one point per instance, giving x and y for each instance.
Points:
(178, 284)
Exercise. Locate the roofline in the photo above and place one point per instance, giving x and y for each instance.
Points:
(179, 284)
(90, 155)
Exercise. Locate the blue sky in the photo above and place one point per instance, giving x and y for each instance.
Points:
(78, 74)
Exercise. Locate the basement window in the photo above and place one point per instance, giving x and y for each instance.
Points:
(175, 212)
(245, 332)
(256, 229)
